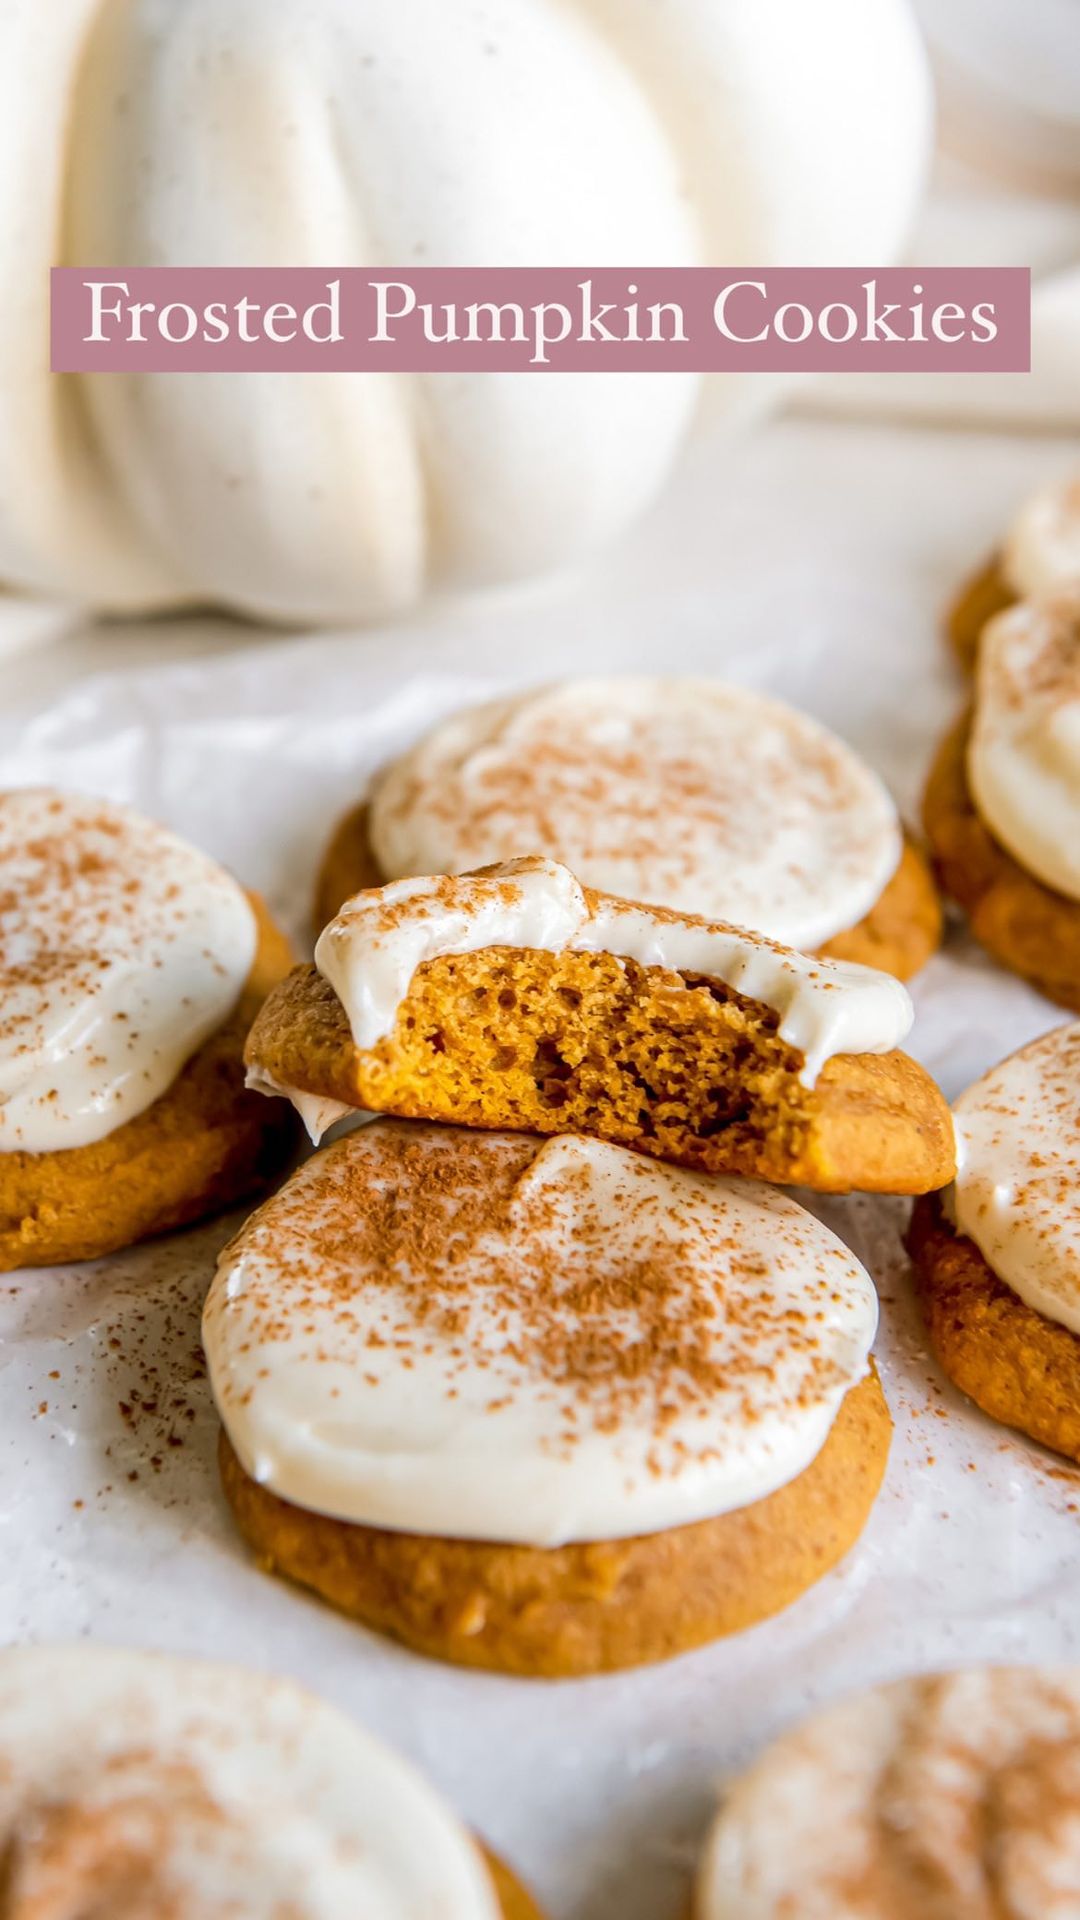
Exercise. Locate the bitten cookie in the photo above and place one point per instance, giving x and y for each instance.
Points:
(131, 967)
(997, 1260)
(542, 1406)
(132, 1784)
(692, 795)
(949, 1797)
(1002, 803)
(1040, 556)
(517, 998)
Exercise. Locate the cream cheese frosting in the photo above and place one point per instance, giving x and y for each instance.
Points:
(687, 793)
(1024, 751)
(132, 1784)
(944, 1798)
(121, 950)
(1041, 553)
(1017, 1189)
(488, 1336)
(370, 952)
(317, 1113)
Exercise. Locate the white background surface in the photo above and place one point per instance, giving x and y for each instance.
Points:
(813, 560)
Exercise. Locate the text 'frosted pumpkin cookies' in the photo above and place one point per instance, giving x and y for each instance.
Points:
(517, 998)
(131, 967)
(1002, 805)
(700, 797)
(944, 1798)
(997, 1258)
(162, 1789)
(542, 1406)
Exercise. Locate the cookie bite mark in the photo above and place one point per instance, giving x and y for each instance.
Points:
(997, 1259)
(542, 1406)
(131, 967)
(188, 1790)
(516, 998)
(947, 1795)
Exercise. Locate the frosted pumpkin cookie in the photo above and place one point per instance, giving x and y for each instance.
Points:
(542, 1406)
(997, 1259)
(1039, 557)
(139, 1787)
(693, 795)
(1002, 805)
(952, 1797)
(131, 967)
(517, 998)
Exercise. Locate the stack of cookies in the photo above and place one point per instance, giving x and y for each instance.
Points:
(997, 1257)
(543, 1371)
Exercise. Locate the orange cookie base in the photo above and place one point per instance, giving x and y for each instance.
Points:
(987, 593)
(668, 1064)
(587, 1608)
(203, 1146)
(1019, 1367)
(898, 935)
(348, 866)
(1032, 930)
(514, 1900)
(903, 930)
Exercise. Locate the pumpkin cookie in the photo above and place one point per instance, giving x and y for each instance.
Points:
(997, 1261)
(131, 967)
(692, 795)
(516, 998)
(542, 1406)
(1040, 556)
(948, 1797)
(194, 1791)
(1002, 804)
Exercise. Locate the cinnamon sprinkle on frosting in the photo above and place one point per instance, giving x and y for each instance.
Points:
(137, 1787)
(686, 793)
(121, 950)
(502, 1338)
(945, 1798)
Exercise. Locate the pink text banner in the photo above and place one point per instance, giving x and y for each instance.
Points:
(541, 319)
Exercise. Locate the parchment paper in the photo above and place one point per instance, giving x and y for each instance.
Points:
(815, 566)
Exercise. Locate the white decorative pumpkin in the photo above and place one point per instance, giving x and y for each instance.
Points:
(392, 133)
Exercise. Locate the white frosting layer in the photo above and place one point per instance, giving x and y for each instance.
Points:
(1017, 1191)
(1024, 753)
(371, 951)
(121, 950)
(1041, 553)
(934, 1799)
(438, 1331)
(317, 1113)
(690, 794)
(135, 1784)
